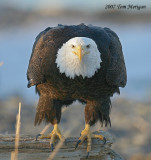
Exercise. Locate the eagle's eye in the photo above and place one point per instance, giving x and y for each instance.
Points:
(73, 46)
(88, 46)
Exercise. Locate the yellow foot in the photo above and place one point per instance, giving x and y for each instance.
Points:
(87, 134)
(53, 136)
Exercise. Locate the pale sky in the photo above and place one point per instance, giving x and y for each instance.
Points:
(93, 5)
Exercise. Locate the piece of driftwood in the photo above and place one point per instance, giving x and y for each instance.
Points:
(30, 149)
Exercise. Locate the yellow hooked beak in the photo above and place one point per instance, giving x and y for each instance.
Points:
(78, 51)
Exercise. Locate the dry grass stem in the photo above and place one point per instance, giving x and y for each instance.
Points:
(45, 129)
(14, 155)
(58, 146)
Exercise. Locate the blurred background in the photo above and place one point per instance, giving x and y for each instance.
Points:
(21, 22)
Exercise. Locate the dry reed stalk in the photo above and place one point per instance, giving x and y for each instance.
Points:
(58, 146)
(14, 154)
(45, 129)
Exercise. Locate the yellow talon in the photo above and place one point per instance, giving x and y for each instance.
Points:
(86, 133)
(53, 135)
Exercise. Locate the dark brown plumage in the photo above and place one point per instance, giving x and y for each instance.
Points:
(56, 90)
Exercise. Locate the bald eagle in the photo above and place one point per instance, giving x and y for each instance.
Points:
(76, 62)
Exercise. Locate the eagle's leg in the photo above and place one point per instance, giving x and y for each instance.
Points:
(49, 110)
(93, 113)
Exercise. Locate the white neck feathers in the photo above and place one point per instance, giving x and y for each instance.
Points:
(69, 63)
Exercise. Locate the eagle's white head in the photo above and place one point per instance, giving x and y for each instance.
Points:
(79, 56)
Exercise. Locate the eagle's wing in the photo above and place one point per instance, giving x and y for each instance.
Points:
(116, 70)
(35, 72)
